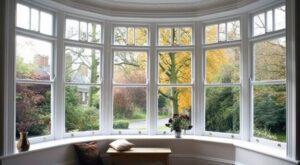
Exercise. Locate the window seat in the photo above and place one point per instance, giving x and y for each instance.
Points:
(189, 149)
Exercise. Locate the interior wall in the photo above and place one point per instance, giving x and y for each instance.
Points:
(2, 17)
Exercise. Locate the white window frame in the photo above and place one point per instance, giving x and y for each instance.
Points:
(175, 25)
(133, 25)
(223, 45)
(274, 34)
(86, 45)
(218, 22)
(264, 11)
(47, 38)
(130, 48)
(175, 48)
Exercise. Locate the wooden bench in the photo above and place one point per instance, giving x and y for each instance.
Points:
(136, 155)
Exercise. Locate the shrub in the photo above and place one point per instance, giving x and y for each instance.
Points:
(121, 124)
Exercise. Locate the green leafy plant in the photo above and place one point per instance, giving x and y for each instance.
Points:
(179, 122)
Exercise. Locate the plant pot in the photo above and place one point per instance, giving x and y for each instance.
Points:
(178, 134)
(23, 143)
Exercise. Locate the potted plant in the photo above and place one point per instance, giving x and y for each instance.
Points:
(22, 127)
(178, 123)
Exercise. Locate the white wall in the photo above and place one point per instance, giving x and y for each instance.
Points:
(184, 152)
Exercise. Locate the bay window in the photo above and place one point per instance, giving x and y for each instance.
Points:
(131, 79)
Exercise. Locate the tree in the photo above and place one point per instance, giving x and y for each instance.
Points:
(174, 68)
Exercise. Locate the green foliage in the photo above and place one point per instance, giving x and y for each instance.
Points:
(138, 114)
(79, 117)
(270, 110)
(222, 109)
(121, 124)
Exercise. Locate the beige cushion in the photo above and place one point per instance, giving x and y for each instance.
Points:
(121, 145)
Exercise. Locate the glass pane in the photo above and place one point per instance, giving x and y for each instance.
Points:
(222, 32)
(120, 36)
(270, 112)
(141, 36)
(130, 67)
(259, 24)
(33, 109)
(129, 108)
(72, 29)
(173, 100)
(94, 33)
(186, 34)
(34, 22)
(165, 35)
(280, 18)
(175, 67)
(270, 59)
(46, 24)
(270, 21)
(222, 106)
(233, 30)
(82, 104)
(33, 58)
(130, 36)
(82, 65)
(223, 65)
(211, 34)
(83, 31)
(23, 16)
(176, 36)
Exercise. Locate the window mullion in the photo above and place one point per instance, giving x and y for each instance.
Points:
(59, 113)
(246, 61)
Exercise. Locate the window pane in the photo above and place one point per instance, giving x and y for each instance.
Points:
(130, 67)
(33, 58)
(23, 16)
(270, 59)
(173, 100)
(72, 29)
(33, 109)
(259, 24)
(34, 22)
(233, 30)
(94, 33)
(280, 18)
(223, 65)
(176, 36)
(129, 108)
(131, 36)
(211, 34)
(165, 35)
(175, 67)
(120, 36)
(83, 31)
(82, 105)
(270, 21)
(186, 34)
(82, 65)
(222, 32)
(270, 112)
(222, 106)
(46, 25)
(141, 36)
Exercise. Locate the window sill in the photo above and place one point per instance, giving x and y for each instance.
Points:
(257, 148)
